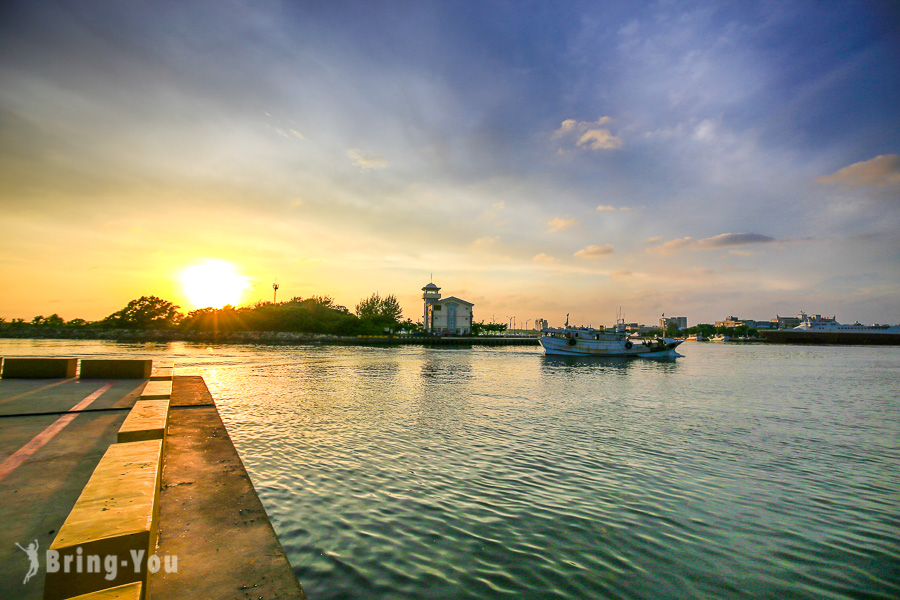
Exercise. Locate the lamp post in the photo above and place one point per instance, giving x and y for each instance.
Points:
(274, 292)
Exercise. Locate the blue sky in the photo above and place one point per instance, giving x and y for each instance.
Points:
(687, 158)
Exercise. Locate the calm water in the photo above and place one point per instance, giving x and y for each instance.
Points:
(736, 472)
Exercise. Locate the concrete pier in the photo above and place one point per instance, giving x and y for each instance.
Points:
(53, 433)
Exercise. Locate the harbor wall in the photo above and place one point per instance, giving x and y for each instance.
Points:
(254, 337)
(787, 336)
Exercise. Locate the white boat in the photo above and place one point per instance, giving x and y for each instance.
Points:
(697, 337)
(720, 338)
(816, 329)
(587, 341)
(818, 323)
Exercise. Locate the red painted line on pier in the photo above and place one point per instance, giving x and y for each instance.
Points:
(40, 389)
(37, 442)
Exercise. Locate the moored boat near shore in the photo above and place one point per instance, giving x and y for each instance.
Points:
(815, 329)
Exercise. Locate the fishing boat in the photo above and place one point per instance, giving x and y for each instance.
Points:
(588, 341)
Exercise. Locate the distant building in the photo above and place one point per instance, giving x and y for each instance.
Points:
(540, 324)
(680, 322)
(731, 321)
(639, 327)
(449, 315)
(780, 322)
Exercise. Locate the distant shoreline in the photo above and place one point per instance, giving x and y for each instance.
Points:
(251, 337)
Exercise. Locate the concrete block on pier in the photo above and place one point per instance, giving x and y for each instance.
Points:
(157, 390)
(115, 515)
(39, 368)
(129, 591)
(115, 369)
(147, 420)
(162, 371)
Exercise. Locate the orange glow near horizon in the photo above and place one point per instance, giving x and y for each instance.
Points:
(213, 284)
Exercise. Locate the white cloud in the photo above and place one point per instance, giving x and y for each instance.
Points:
(590, 134)
(608, 207)
(487, 241)
(595, 251)
(544, 258)
(599, 139)
(560, 224)
(705, 131)
(366, 162)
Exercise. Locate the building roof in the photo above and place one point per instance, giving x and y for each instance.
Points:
(454, 299)
(431, 286)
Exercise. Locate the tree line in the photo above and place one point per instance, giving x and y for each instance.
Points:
(317, 314)
(373, 315)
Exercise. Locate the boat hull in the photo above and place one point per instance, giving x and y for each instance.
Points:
(855, 338)
(563, 347)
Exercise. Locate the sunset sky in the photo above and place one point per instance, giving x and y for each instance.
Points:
(700, 159)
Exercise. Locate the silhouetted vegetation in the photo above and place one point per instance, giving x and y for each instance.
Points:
(482, 328)
(316, 315)
(147, 312)
(374, 315)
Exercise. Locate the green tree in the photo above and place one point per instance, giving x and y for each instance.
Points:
(376, 308)
(147, 312)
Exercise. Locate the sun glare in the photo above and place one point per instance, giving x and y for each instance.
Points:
(213, 283)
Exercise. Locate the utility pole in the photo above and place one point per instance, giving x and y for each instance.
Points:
(274, 292)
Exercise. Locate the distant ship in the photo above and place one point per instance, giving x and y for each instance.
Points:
(816, 329)
(586, 341)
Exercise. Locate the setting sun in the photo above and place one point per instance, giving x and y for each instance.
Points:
(213, 283)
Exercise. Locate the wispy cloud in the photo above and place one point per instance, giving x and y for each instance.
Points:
(609, 207)
(735, 239)
(288, 133)
(544, 258)
(493, 211)
(589, 135)
(560, 224)
(882, 171)
(723, 240)
(595, 251)
(366, 162)
(486, 242)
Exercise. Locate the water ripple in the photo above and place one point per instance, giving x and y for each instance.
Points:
(737, 472)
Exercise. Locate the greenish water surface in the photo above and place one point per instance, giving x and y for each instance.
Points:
(737, 471)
